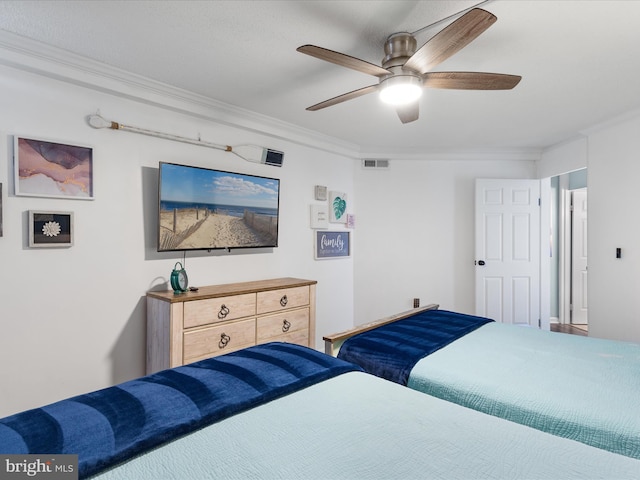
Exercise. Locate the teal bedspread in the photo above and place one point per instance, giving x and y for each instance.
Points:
(581, 388)
(357, 426)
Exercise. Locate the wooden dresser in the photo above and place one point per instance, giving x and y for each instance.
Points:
(218, 319)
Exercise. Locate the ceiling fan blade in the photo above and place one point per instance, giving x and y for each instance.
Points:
(408, 113)
(343, 60)
(343, 98)
(450, 40)
(470, 80)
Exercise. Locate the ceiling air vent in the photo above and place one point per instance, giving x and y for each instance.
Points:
(375, 163)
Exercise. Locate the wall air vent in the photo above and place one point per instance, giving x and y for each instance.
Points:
(375, 163)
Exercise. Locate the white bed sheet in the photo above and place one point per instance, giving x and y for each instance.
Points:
(357, 426)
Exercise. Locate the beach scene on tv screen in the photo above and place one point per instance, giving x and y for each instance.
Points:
(207, 209)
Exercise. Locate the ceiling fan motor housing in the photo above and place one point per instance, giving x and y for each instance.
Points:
(398, 49)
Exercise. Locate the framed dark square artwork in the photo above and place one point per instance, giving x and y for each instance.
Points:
(50, 229)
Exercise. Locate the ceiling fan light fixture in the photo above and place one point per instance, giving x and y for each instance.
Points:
(401, 89)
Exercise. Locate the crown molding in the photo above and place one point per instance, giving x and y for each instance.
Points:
(45, 60)
(503, 154)
(630, 115)
(38, 58)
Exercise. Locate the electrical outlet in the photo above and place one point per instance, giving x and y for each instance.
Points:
(416, 302)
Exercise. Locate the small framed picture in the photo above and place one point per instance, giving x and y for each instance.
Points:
(50, 229)
(332, 244)
(319, 216)
(337, 207)
(351, 220)
(49, 169)
(321, 193)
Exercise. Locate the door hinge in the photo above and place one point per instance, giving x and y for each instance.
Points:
(539, 202)
(539, 323)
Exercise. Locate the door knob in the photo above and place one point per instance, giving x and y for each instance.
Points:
(480, 262)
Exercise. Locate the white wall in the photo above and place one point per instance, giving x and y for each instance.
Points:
(73, 320)
(614, 170)
(415, 224)
(609, 151)
(563, 158)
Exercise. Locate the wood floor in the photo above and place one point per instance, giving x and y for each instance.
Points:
(571, 329)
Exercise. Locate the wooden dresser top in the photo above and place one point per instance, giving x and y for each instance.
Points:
(212, 291)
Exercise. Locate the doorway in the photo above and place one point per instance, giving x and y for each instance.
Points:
(579, 267)
(569, 268)
(507, 266)
(553, 298)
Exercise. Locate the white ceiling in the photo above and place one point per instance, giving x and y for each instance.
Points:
(580, 62)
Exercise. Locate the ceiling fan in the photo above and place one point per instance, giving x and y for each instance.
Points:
(405, 71)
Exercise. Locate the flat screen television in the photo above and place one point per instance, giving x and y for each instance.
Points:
(205, 209)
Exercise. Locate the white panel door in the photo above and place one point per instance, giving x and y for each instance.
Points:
(579, 256)
(508, 250)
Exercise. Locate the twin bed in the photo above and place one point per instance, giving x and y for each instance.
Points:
(581, 388)
(285, 411)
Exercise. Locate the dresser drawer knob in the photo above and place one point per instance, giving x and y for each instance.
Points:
(224, 311)
(286, 325)
(224, 340)
(284, 300)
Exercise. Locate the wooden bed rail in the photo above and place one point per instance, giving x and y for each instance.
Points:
(332, 343)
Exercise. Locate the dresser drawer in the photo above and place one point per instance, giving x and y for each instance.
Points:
(285, 298)
(221, 309)
(218, 339)
(299, 337)
(291, 326)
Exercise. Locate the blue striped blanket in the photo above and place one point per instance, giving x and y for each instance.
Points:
(392, 350)
(108, 426)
